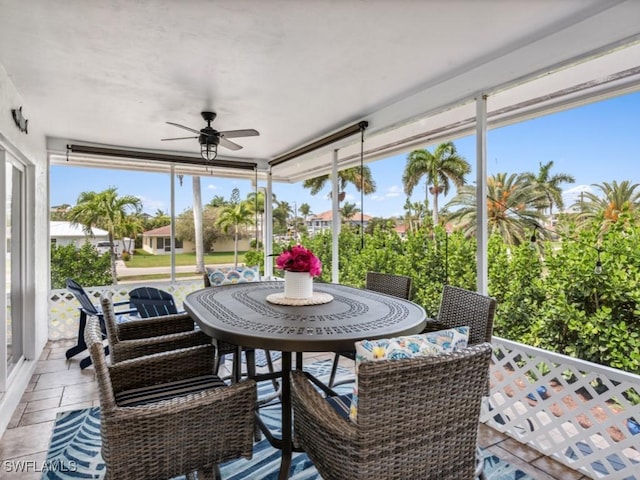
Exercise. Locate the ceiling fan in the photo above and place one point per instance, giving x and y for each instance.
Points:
(209, 138)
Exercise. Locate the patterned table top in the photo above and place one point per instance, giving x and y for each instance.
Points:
(240, 314)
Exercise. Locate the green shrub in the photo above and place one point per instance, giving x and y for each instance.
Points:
(255, 257)
(549, 297)
(85, 265)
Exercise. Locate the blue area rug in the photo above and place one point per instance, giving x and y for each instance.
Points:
(74, 451)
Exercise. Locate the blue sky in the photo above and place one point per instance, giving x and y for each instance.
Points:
(595, 143)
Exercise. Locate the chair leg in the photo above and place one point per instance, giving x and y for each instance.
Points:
(80, 345)
(250, 355)
(209, 472)
(334, 369)
(217, 363)
(274, 382)
(85, 362)
(479, 473)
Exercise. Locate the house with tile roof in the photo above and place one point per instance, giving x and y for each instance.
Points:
(158, 242)
(322, 221)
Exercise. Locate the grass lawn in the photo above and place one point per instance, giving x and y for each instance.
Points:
(142, 260)
(157, 276)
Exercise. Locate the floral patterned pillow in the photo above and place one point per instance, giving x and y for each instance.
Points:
(431, 343)
(227, 275)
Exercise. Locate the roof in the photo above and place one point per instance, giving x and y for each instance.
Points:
(67, 229)
(92, 74)
(158, 232)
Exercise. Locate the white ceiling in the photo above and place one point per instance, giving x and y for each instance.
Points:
(113, 72)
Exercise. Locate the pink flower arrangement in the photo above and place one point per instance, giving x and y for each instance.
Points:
(299, 259)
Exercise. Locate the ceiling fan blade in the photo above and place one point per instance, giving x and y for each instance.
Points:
(176, 138)
(229, 144)
(250, 132)
(186, 128)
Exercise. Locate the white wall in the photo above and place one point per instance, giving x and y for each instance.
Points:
(31, 150)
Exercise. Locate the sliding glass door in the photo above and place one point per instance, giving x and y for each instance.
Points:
(14, 252)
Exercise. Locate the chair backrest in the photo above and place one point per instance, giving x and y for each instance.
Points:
(152, 302)
(82, 297)
(431, 403)
(111, 324)
(464, 307)
(93, 339)
(216, 276)
(396, 285)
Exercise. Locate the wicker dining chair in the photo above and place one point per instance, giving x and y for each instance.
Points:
(146, 336)
(460, 307)
(394, 285)
(168, 414)
(417, 418)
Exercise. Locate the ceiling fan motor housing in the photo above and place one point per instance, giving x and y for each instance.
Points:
(209, 136)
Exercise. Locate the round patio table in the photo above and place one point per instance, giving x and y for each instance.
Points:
(240, 314)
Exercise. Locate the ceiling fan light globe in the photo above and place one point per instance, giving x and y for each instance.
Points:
(209, 151)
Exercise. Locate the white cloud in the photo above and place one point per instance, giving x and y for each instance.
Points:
(572, 195)
(212, 186)
(394, 191)
(151, 205)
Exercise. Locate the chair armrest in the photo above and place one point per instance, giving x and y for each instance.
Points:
(162, 367)
(216, 425)
(125, 311)
(155, 326)
(128, 349)
(315, 416)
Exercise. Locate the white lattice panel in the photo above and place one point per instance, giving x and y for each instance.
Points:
(585, 415)
(63, 306)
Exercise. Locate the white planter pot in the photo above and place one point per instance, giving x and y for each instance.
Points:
(298, 284)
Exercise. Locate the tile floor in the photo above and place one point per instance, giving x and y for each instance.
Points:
(59, 384)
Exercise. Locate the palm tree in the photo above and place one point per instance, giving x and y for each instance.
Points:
(305, 210)
(549, 185)
(511, 208)
(160, 219)
(362, 182)
(130, 228)
(281, 215)
(415, 212)
(217, 201)
(440, 168)
(348, 210)
(257, 203)
(618, 199)
(104, 210)
(231, 217)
